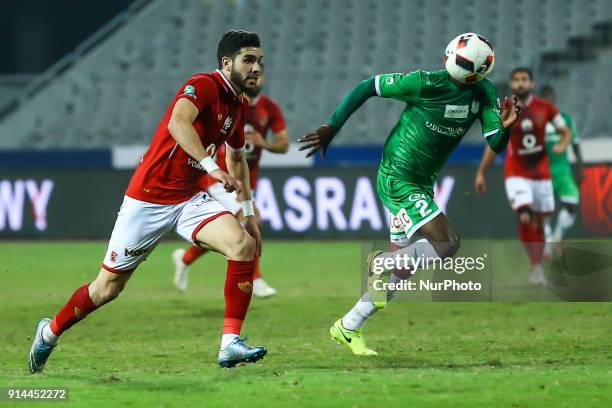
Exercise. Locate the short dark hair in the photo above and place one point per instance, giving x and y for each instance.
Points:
(547, 91)
(233, 40)
(521, 69)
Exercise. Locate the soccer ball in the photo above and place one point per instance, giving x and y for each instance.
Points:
(469, 58)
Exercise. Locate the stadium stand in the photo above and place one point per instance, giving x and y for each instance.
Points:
(114, 92)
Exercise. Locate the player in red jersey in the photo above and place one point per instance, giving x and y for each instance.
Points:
(264, 115)
(164, 195)
(526, 167)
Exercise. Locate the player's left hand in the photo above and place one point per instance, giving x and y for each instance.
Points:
(252, 228)
(559, 148)
(255, 138)
(480, 183)
(510, 111)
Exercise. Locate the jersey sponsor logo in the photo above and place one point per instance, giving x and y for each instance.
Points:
(249, 149)
(191, 91)
(194, 164)
(456, 111)
(113, 256)
(445, 130)
(530, 145)
(403, 220)
(135, 252)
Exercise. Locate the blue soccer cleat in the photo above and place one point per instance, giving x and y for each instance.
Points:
(239, 352)
(41, 350)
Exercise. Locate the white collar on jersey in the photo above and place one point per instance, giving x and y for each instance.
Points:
(226, 81)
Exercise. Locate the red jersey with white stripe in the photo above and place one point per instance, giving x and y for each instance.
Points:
(166, 174)
(526, 153)
(263, 115)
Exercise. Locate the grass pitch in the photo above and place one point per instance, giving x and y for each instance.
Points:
(157, 347)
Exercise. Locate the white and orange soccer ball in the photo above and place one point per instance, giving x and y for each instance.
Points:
(469, 58)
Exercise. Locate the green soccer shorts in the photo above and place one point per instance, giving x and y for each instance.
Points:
(565, 187)
(410, 206)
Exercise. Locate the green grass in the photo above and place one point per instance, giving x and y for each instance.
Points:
(156, 347)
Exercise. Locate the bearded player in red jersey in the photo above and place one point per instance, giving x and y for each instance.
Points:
(526, 167)
(164, 195)
(263, 115)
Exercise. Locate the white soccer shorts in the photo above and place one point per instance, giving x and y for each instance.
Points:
(227, 200)
(538, 194)
(141, 225)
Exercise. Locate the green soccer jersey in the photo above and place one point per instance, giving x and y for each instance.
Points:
(438, 114)
(559, 162)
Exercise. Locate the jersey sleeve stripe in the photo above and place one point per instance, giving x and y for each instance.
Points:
(377, 84)
(491, 133)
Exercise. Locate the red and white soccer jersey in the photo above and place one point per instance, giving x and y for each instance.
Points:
(168, 175)
(165, 194)
(526, 167)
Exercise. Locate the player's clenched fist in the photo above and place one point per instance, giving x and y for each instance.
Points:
(229, 183)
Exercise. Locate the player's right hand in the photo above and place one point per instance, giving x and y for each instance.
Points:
(252, 228)
(229, 183)
(480, 184)
(318, 140)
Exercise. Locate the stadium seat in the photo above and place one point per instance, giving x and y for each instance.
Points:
(315, 51)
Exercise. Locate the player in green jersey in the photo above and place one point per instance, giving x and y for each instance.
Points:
(564, 185)
(439, 111)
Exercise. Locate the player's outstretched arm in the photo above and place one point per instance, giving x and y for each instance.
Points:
(181, 128)
(488, 157)
(322, 137)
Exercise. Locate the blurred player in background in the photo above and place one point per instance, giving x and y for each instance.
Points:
(264, 115)
(564, 185)
(164, 195)
(440, 108)
(526, 167)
